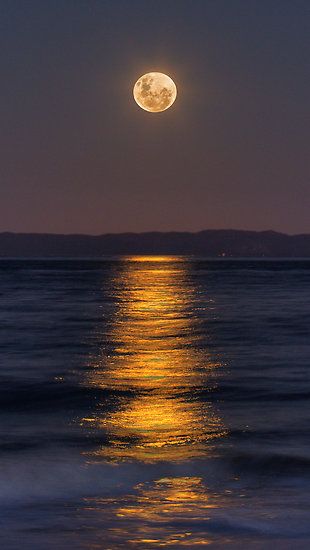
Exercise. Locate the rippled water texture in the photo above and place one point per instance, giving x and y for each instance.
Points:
(154, 402)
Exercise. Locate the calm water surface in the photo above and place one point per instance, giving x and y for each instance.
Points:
(154, 402)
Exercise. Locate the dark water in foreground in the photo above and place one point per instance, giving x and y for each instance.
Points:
(154, 402)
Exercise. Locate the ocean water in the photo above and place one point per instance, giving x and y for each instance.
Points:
(151, 402)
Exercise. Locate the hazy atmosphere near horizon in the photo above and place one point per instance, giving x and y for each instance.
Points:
(78, 155)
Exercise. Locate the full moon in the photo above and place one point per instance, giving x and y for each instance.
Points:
(155, 92)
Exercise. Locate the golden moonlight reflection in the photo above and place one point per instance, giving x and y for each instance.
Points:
(170, 511)
(157, 366)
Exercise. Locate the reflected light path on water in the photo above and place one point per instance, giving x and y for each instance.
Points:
(169, 512)
(158, 358)
(163, 371)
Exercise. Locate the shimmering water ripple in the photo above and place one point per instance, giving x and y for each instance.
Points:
(154, 402)
(156, 354)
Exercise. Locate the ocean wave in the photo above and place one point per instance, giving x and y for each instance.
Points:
(273, 464)
(32, 478)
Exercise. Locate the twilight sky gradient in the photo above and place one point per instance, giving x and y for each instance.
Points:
(78, 155)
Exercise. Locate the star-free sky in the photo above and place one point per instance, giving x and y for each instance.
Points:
(78, 155)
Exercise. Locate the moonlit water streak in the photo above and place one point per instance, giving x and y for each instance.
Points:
(158, 362)
(156, 356)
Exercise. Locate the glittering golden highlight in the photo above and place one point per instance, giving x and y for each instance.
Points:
(157, 356)
(155, 512)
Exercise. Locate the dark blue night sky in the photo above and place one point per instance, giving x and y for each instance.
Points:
(78, 155)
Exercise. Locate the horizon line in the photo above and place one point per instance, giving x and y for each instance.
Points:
(152, 232)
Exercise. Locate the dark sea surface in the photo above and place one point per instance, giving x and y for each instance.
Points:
(151, 402)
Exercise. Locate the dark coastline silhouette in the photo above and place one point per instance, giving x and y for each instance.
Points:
(210, 243)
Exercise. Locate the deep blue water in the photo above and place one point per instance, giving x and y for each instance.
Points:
(154, 402)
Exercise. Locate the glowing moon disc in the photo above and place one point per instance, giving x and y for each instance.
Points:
(155, 92)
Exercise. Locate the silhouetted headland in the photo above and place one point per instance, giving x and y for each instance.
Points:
(210, 243)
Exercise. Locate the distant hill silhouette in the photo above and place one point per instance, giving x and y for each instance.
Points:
(212, 243)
